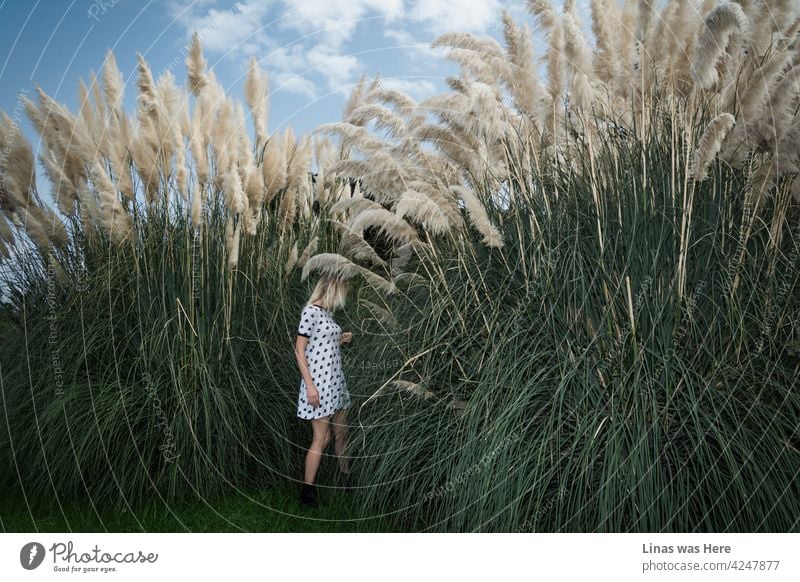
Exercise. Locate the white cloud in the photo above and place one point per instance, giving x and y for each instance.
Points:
(420, 50)
(286, 58)
(337, 20)
(338, 69)
(440, 16)
(226, 30)
(294, 84)
(417, 88)
(331, 25)
(329, 29)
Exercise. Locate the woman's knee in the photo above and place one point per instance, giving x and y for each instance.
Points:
(322, 438)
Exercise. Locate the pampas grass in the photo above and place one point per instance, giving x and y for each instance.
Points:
(480, 220)
(196, 66)
(308, 252)
(571, 213)
(724, 21)
(111, 216)
(391, 224)
(256, 94)
(353, 245)
(421, 209)
(414, 389)
(710, 144)
(339, 267)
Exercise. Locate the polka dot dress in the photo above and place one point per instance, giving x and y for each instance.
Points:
(324, 362)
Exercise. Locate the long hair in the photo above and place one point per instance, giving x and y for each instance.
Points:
(332, 292)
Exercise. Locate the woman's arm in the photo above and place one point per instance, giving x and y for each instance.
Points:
(302, 363)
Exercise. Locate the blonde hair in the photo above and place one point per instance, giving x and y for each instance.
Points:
(331, 291)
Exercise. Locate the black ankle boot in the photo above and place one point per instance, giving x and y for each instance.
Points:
(308, 496)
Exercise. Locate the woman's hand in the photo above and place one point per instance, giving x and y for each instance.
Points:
(313, 395)
(347, 337)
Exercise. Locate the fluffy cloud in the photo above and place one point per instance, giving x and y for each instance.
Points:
(224, 30)
(442, 16)
(295, 84)
(418, 88)
(338, 69)
(327, 29)
(336, 20)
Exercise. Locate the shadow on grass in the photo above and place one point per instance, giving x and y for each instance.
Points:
(274, 509)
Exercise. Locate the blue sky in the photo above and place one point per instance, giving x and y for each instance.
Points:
(314, 51)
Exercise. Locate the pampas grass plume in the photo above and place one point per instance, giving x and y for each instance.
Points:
(392, 225)
(422, 210)
(479, 218)
(256, 95)
(720, 24)
(196, 66)
(710, 144)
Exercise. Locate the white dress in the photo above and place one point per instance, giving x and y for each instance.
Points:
(324, 362)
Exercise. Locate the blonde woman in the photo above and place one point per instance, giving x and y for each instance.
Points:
(323, 397)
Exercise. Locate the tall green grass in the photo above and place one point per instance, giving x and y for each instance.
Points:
(579, 417)
(177, 374)
(584, 376)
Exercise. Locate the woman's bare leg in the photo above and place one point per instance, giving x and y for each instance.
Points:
(340, 435)
(319, 441)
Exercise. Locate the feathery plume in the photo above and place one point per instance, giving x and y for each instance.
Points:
(382, 315)
(390, 224)
(710, 144)
(555, 68)
(234, 193)
(353, 135)
(543, 11)
(196, 66)
(112, 84)
(274, 167)
(330, 264)
(63, 192)
(414, 388)
(487, 45)
(523, 81)
(383, 117)
(726, 19)
(148, 94)
(478, 216)
(197, 206)
(101, 114)
(17, 171)
(579, 61)
(353, 246)
(353, 205)
(112, 216)
(646, 8)
(355, 99)
(310, 249)
(606, 63)
(256, 95)
(399, 100)
(422, 210)
(233, 257)
(6, 236)
(299, 163)
(292, 260)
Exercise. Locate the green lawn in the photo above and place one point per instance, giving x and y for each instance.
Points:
(270, 510)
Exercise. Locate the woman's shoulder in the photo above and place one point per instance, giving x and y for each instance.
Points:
(315, 311)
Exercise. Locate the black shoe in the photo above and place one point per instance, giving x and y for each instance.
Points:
(308, 496)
